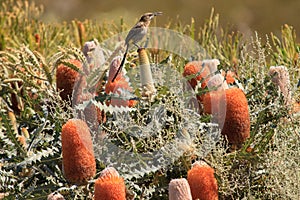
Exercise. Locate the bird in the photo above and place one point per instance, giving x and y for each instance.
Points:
(136, 34)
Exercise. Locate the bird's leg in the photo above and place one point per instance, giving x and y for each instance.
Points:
(135, 44)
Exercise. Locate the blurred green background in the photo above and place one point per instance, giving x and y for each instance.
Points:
(247, 16)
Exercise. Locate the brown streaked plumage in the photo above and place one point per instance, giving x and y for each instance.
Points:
(136, 34)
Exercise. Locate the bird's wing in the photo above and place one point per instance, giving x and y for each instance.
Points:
(135, 34)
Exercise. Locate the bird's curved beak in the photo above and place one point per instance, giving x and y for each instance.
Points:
(157, 13)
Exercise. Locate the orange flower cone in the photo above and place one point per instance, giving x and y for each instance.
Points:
(194, 68)
(237, 119)
(113, 68)
(203, 69)
(202, 182)
(22, 140)
(296, 107)
(79, 163)
(65, 79)
(109, 186)
(119, 86)
(211, 99)
(230, 77)
(215, 99)
(179, 189)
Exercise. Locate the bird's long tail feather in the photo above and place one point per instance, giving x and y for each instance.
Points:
(122, 63)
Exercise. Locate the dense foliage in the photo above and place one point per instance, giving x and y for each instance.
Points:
(32, 112)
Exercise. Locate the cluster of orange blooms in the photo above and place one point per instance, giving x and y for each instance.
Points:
(67, 77)
(200, 184)
(79, 166)
(228, 105)
(78, 158)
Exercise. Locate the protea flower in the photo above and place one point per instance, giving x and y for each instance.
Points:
(202, 182)
(110, 186)
(77, 150)
(119, 86)
(66, 78)
(179, 189)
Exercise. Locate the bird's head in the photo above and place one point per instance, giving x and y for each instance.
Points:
(148, 16)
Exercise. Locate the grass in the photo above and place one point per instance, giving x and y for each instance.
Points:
(266, 167)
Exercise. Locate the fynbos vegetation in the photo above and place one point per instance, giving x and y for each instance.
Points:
(263, 165)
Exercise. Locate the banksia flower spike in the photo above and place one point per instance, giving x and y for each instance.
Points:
(215, 99)
(55, 196)
(79, 163)
(81, 32)
(296, 107)
(230, 109)
(179, 189)
(211, 64)
(237, 119)
(217, 82)
(200, 72)
(230, 77)
(147, 83)
(110, 186)
(195, 72)
(109, 172)
(280, 77)
(22, 141)
(13, 121)
(119, 86)
(210, 67)
(91, 114)
(14, 126)
(231, 112)
(66, 78)
(202, 181)
(94, 55)
(113, 68)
